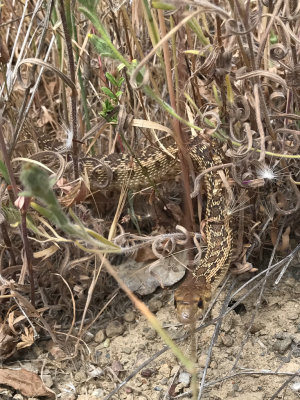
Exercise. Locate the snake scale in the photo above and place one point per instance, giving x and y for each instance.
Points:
(194, 294)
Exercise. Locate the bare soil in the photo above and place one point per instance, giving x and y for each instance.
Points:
(256, 352)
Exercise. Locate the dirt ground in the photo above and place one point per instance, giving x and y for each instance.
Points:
(255, 354)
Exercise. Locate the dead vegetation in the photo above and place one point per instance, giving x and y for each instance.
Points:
(82, 80)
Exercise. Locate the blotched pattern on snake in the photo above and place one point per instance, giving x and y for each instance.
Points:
(194, 294)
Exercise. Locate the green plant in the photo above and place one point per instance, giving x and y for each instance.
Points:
(113, 95)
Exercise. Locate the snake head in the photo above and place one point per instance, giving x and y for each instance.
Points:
(190, 304)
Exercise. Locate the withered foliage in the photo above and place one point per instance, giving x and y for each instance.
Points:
(232, 71)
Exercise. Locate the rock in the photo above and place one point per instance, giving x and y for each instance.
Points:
(282, 345)
(129, 316)
(114, 328)
(80, 376)
(164, 370)
(296, 338)
(227, 340)
(151, 334)
(184, 378)
(281, 335)
(17, 396)
(202, 360)
(295, 386)
(227, 323)
(126, 350)
(98, 393)
(155, 305)
(100, 336)
(47, 379)
(88, 337)
(256, 327)
(68, 396)
(6, 394)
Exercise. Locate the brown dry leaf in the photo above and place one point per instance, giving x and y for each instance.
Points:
(7, 342)
(76, 194)
(11, 322)
(56, 351)
(27, 338)
(26, 382)
(143, 278)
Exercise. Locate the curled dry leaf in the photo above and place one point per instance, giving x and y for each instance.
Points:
(7, 342)
(144, 278)
(27, 339)
(76, 193)
(26, 382)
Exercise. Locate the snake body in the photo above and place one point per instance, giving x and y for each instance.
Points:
(151, 167)
(194, 294)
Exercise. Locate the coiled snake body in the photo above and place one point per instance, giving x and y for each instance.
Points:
(153, 166)
(193, 295)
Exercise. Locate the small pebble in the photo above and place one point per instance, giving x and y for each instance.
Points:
(164, 381)
(126, 350)
(296, 338)
(148, 372)
(98, 393)
(256, 327)
(282, 345)
(202, 360)
(296, 386)
(5, 393)
(227, 340)
(184, 378)
(88, 337)
(151, 334)
(17, 396)
(293, 315)
(68, 396)
(80, 376)
(114, 328)
(155, 305)
(100, 336)
(47, 379)
(227, 323)
(129, 316)
(235, 387)
(103, 345)
(281, 335)
(164, 370)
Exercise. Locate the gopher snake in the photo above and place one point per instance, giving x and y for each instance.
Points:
(193, 295)
(153, 166)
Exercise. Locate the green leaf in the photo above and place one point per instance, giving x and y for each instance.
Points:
(4, 172)
(109, 93)
(111, 79)
(163, 6)
(89, 4)
(120, 82)
(102, 47)
(121, 66)
(119, 93)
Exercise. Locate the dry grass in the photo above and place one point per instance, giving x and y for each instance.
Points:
(224, 70)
